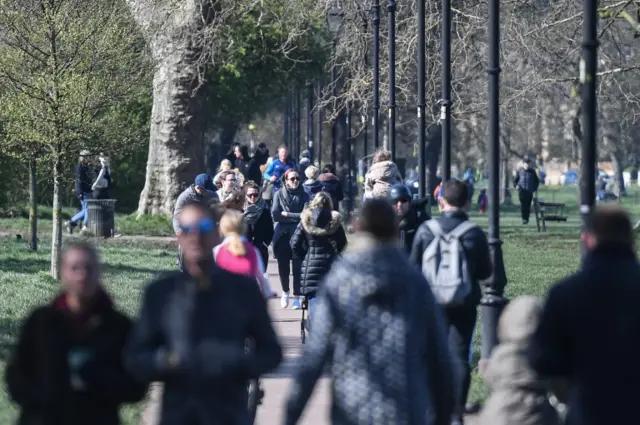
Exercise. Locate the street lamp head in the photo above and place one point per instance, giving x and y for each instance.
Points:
(335, 16)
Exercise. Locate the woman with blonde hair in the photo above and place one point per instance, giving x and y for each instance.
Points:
(225, 165)
(382, 174)
(100, 187)
(318, 239)
(236, 254)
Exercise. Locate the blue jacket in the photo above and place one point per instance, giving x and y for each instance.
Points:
(277, 168)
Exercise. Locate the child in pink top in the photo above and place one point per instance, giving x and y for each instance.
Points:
(238, 255)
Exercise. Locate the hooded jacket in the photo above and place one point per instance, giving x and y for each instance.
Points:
(518, 394)
(378, 322)
(409, 225)
(38, 375)
(333, 186)
(187, 196)
(526, 179)
(379, 179)
(319, 238)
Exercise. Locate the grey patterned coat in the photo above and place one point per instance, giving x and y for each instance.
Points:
(378, 325)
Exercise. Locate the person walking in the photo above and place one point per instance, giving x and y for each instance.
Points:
(288, 204)
(237, 255)
(378, 322)
(84, 182)
(526, 181)
(247, 165)
(67, 368)
(192, 331)
(100, 187)
(318, 239)
(279, 167)
(332, 185)
(382, 174)
(312, 185)
(261, 155)
(225, 165)
(267, 186)
(517, 394)
(586, 334)
(409, 216)
(229, 183)
(201, 191)
(257, 219)
(305, 161)
(453, 254)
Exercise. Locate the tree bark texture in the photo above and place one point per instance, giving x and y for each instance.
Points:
(56, 232)
(33, 206)
(176, 145)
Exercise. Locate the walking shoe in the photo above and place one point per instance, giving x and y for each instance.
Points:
(284, 300)
(69, 225)
(525, 221)
(296, 304)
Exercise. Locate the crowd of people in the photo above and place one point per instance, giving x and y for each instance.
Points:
(392, 312)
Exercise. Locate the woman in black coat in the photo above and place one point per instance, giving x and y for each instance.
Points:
(258, 221)
(67, 367)
(288, 203)
(319, 239)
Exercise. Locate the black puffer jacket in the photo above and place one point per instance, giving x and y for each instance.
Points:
(319, 238)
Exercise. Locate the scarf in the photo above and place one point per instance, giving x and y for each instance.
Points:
(289, 197)
(252, 212)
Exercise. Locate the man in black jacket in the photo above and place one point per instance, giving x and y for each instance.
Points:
(526, 181)
(462, 319)
(410, 215)
(192, 332)
(67, 365)
(589, 330)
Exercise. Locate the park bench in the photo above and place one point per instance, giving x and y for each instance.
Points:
(547, 211)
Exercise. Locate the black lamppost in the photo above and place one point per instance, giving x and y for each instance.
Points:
(493, 300)
(375, 114)
(391, 19)
(298, 118)
(320, 123)
(588, 79)
(349, 162)
(334, 22)
(422, 128)
(445, 102)
(286, 137)
(310, 120)
(363, 118)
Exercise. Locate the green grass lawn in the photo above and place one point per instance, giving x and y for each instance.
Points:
(533, 262)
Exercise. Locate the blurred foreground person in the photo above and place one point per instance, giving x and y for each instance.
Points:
(192, 332)
(67, 367)
(378, 322)
(518, 395)
(588, 332)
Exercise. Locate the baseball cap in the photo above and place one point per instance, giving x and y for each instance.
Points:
(205, 182)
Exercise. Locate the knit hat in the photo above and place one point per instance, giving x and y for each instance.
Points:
(312, 172)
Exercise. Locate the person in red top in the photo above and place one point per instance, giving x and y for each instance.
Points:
(236, 254)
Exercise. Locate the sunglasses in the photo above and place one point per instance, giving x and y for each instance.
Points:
(204, 225)
(294, 179)
(252, 195)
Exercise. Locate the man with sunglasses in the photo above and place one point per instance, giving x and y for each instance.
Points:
(410, 215)
(192, 330)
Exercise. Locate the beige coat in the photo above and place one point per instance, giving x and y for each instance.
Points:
(518, 395)
(379, 179)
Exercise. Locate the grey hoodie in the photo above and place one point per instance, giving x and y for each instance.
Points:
(187, 196)
(378, 321)
(518, 395)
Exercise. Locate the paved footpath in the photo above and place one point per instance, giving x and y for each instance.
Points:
(276, 385)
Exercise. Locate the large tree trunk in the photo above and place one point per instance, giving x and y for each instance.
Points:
(176, 145)
(56, 232)
(33, 206)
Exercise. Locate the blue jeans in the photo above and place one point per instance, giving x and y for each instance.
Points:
(82, 215)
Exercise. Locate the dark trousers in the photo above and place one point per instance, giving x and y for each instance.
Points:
(285, 258)
(462, 321)
(525, 203)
